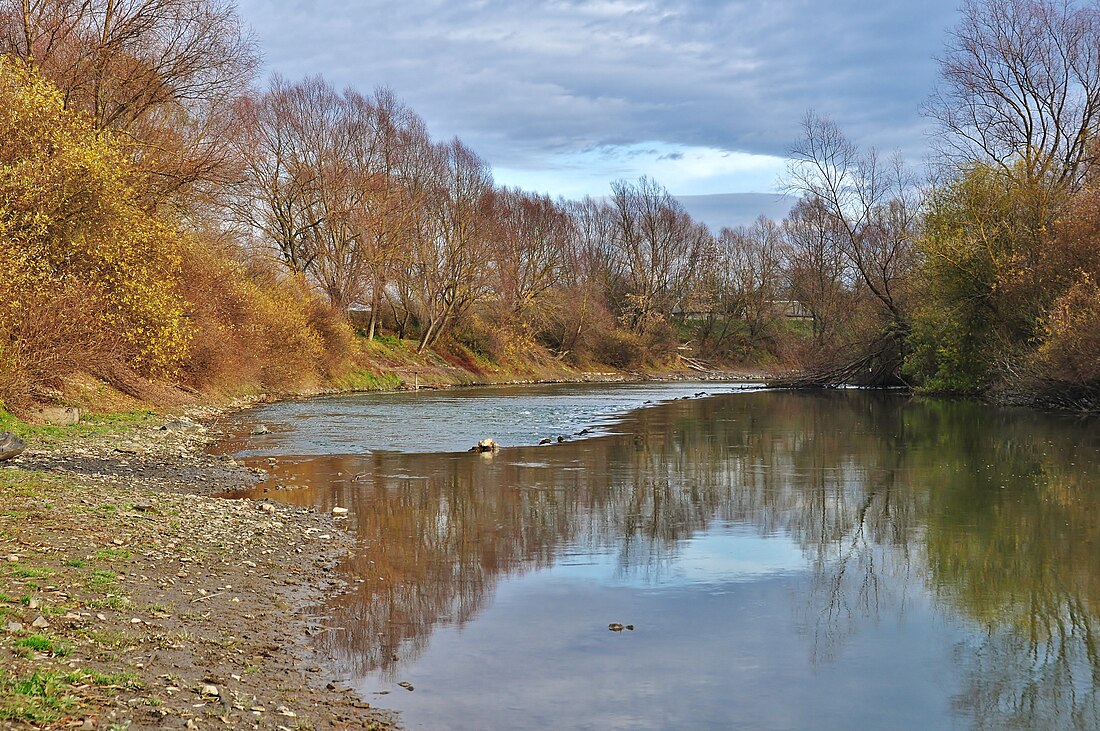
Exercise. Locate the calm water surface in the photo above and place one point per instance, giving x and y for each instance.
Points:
(789, 561)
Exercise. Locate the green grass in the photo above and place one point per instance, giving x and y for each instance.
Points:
(46, 644)
(75, 563)
(90, 425)
(36, 698)
(119, 679)
(110, 554)
(21, 571)
(364, 380)
(102, 579)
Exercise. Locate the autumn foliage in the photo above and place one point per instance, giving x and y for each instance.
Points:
(96, 282)
(90, 276)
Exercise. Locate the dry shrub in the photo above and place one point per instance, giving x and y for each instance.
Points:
(619, 348)
(492, 334)
(88, 275)
(1070, 351)
(337, 338)
(49, 337)
(256, 329)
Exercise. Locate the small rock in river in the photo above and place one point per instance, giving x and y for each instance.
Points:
(406, 685)
(339, 511)
(544, 441)
(260, 429)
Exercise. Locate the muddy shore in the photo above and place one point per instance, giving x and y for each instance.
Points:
(132, 597)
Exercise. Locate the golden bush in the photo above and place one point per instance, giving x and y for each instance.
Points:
(78, 249)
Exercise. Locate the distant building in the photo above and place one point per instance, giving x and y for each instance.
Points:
(359, 314)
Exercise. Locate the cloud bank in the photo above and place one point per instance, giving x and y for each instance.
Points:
(563, 96)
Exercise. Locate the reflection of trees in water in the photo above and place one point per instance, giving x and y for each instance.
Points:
(996, 512)
(1013, 543)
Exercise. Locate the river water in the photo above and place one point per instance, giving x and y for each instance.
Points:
(831, 560)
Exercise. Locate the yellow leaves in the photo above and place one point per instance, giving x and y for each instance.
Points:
(69, 212)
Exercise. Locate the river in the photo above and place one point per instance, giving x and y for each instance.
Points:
(829, 560)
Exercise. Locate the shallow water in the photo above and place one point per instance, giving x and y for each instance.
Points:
(788, 561)
(455, 419)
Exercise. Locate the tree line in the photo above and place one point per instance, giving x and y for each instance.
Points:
(256, 217)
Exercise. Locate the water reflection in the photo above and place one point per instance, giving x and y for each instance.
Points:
(981, 522)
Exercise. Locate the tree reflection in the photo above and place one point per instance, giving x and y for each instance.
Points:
(995, 513)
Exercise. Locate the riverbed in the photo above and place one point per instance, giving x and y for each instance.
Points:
(719, 557)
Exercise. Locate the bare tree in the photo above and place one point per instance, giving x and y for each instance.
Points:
(530, 235)
(815, 270)
(451, 265)
(872, 209)
(751, 267)
(656, 243)
(389, 206)
(162, 71)
(872, 205)
(1021, 88)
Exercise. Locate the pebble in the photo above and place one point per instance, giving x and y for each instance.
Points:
(40, 623)
(211, 690)
(339, 511)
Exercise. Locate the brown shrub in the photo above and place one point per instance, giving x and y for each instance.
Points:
(254, 328)
(49, 337)
(1070, 351)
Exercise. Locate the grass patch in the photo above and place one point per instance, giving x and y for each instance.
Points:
(45, 644)
(40, 697)
(89, 426)
(111, 602)
(365, 380)
(109, 639)
(102, 579)
(76, 563)
(21, 571)
(110, 554)
(118, 680)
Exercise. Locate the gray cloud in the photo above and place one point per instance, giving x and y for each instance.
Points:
(520, 81)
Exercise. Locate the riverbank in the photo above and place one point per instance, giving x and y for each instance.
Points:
(130, 597)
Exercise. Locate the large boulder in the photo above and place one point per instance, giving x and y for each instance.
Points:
(10, 445)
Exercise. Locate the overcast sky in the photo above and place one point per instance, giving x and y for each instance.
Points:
(565, 96)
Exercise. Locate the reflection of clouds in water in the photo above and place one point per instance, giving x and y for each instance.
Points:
(868, 511)
(722, 555)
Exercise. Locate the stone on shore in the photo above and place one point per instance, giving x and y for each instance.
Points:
(10, 445)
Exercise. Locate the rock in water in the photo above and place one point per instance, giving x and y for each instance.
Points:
(260, 429)
(10, 445)
(486, 445)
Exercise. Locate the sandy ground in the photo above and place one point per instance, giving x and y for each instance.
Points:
(131, 597)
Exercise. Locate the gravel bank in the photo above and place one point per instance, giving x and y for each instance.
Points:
(131, 597)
